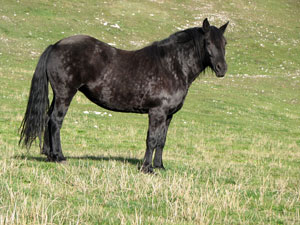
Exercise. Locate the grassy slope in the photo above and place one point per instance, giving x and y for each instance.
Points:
(232, 153)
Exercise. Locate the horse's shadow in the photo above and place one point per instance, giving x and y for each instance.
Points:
(130, 160)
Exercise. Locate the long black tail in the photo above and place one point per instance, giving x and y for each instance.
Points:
(33, 124)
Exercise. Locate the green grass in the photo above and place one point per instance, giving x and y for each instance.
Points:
(232, 152)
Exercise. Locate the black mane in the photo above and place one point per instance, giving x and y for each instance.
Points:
(196, 35)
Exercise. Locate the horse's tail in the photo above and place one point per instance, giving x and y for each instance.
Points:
(34, 121)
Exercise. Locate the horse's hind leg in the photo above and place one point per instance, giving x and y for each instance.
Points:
(46, 144)
(56, 117)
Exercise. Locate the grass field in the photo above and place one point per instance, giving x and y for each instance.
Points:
(233, 151)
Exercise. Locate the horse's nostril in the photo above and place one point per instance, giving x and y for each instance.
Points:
(218, 67)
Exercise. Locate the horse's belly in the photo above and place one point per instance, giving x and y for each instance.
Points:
(116, 99)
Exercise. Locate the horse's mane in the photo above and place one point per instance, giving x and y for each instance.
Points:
(196, 35)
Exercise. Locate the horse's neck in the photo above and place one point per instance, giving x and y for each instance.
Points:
(184, 61)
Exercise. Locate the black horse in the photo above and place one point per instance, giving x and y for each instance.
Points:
(153, 80)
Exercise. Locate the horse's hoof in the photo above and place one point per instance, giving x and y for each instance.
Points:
(60, 159)
(147, 169)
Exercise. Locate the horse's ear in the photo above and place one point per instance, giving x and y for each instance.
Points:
(206, 26)
(223, 28)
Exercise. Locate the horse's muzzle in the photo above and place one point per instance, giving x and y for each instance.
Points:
(220, 69)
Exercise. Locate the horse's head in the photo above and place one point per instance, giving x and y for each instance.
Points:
(214, 44)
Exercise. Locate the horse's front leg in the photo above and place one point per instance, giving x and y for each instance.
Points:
(157, 129)
(158, 163)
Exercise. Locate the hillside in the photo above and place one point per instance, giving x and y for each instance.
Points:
(233, 151)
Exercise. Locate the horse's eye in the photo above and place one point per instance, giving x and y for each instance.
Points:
(208, 43)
